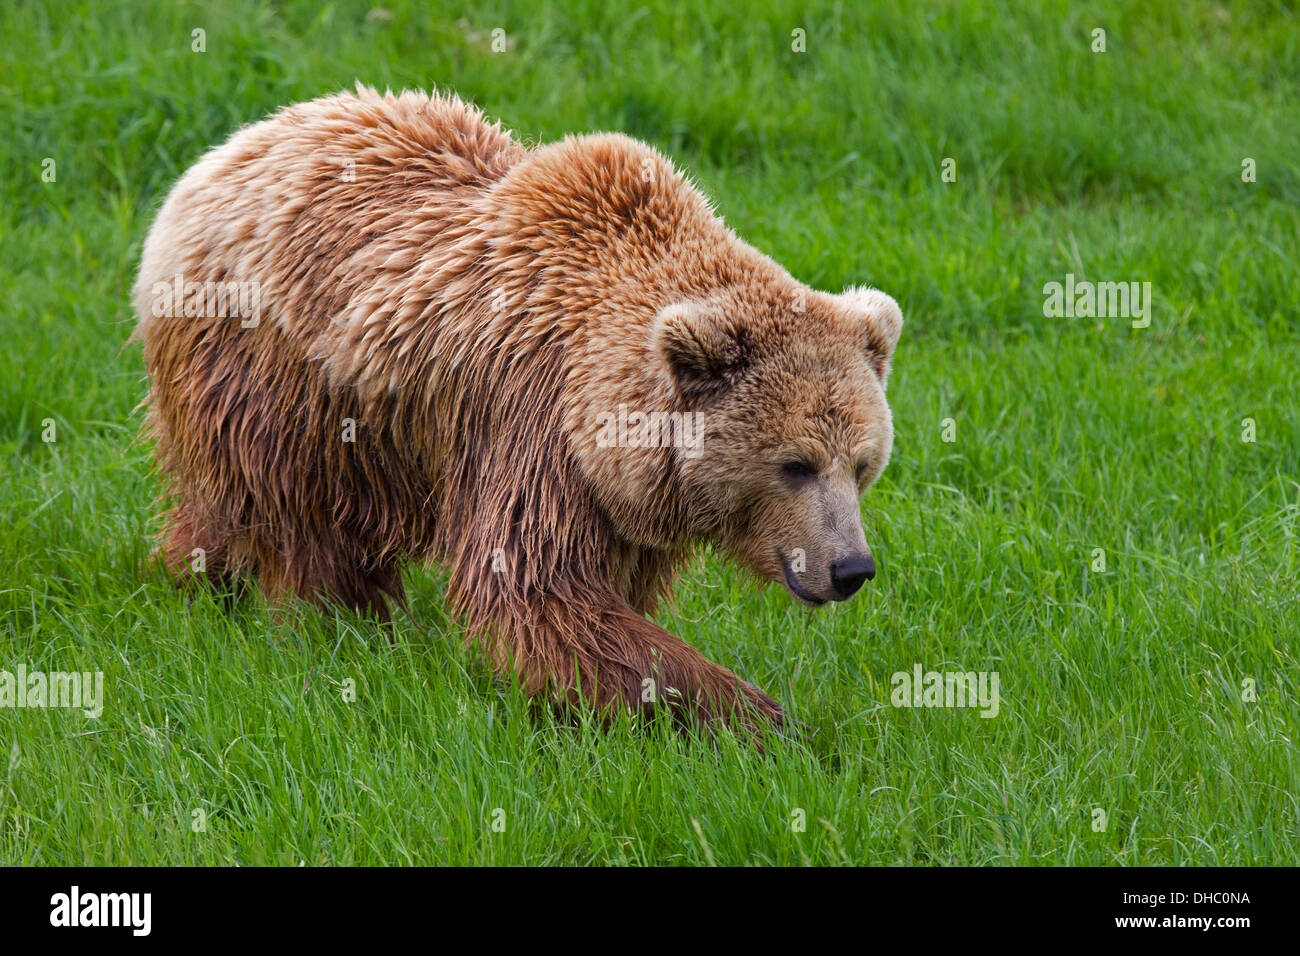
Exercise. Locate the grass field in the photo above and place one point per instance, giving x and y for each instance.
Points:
(1161, 691)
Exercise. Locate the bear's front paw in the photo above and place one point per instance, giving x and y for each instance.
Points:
(756, 711)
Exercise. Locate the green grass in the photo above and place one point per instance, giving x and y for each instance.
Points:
(1121, 691)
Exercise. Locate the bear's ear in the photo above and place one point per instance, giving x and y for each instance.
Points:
(701, 352)
(881, 321)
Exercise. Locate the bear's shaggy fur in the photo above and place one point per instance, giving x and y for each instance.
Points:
(444, 324)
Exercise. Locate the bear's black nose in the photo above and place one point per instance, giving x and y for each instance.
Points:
(847, 574)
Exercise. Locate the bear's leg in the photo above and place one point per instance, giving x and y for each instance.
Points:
(373, 587)
(611, 657)
(193, 549)
(321, 573)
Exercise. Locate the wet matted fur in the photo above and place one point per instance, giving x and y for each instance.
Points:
(442, 317)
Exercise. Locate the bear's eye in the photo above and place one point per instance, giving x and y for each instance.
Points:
(797, 469)
(860, 472)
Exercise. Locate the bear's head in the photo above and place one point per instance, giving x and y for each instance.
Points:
(709, 395)
(791, 426)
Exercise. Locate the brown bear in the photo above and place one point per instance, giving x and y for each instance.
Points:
(379, 329)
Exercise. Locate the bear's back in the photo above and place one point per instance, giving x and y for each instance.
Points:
(304, 200)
